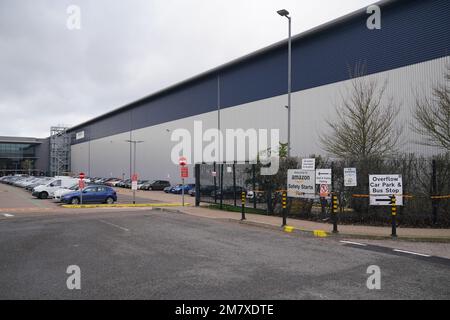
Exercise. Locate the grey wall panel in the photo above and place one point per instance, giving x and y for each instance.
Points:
(43, 155)
(311, 108)
(110, 156)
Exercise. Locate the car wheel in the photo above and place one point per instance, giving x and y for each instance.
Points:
(75, 201)
(149, 188)
(109, 200)
(43, 195)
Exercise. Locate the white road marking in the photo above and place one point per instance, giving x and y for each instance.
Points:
(414, 253)
(8, 215)
(114, 225)
(355, 243)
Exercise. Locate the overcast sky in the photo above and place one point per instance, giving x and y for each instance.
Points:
(50, 75)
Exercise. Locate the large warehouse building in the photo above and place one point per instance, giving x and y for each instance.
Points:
(410, 53)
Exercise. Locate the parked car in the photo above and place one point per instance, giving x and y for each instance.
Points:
(47, 190)
(91, 194)
(40, 181)
(179, 188)
(157, 185)
(204, 191)
(58, 194)
(228, 192)
(23, 182)
(141, 183)
(122, 183)
(112, 182)
(167, 189)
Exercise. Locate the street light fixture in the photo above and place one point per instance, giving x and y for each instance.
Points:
(285, 13)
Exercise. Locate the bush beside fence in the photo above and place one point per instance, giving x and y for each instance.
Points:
(426, 186)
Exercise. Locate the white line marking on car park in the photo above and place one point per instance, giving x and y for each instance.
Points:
(114, 225)
(414, 253)
(355, 243)
(8, 215)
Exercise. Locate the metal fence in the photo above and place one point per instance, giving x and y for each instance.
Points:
(426, 190)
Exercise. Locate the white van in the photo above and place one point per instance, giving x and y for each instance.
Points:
(47, 190)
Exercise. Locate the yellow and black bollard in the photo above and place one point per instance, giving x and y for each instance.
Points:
(394, 216)
(243, 197)
(284, 206)
(334, 211)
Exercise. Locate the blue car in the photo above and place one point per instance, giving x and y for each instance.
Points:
(179, 189)
(91, 194)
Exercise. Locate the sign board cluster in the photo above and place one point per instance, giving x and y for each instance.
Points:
(81, 184)
(323, 176)
(184, 170)
(301, 184)
(309, 164)
(350, 177)
(383, 186)
(134, 182)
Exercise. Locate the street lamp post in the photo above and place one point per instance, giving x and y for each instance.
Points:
(285, 13)
(134, 143)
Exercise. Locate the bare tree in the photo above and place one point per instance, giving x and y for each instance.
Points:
(432, 115)
(365, 124)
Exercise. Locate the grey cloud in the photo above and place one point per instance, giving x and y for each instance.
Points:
(126, 50)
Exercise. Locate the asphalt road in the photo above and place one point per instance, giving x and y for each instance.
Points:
(157, 255)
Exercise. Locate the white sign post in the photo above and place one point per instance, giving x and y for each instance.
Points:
(350, 178)
(301, 184)
(323, 176)
(309, 164)
(382, 187)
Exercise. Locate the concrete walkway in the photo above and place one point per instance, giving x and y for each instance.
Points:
(356, 231)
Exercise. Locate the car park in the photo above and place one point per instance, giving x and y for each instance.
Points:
(91, 194)
(47, 190)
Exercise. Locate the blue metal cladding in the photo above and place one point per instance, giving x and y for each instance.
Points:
(190, 100)
(413, 31)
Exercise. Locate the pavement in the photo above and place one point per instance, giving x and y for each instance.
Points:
(353, 231)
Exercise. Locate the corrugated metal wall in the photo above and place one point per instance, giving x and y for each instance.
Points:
(412, 31)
